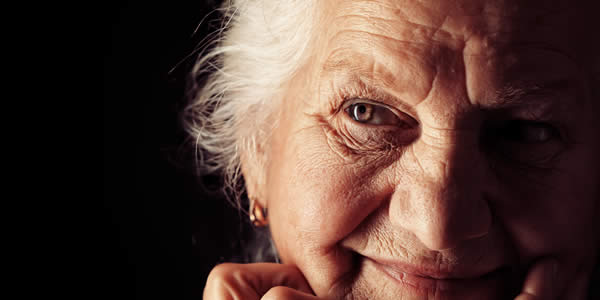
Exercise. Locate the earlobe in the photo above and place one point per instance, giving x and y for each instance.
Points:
(253, 176)
(258, 214)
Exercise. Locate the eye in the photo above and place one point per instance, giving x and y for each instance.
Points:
(528, 132)
(368, 113)
(525, 142)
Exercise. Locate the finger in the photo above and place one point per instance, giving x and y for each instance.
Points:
(282, 292)
(251, 281)
(578, 286)
(541, 282)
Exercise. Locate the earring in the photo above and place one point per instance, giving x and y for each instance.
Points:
(258, 215)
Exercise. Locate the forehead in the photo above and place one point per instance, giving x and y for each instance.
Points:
(515, 39)
(453, 23)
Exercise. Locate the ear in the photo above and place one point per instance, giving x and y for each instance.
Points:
(253, 171)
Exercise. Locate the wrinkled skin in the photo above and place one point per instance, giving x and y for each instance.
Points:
(488, 163)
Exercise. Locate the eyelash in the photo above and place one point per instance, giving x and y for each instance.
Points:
(360, 93)
(379, 115)
(515, 130)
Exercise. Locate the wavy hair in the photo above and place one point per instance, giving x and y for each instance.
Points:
(237, 79)
(235, 86)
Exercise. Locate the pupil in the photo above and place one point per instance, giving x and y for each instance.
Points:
(362, 109)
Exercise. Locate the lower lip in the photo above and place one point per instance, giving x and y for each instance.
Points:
(426, 285)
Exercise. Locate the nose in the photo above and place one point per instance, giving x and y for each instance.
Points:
(439, 197)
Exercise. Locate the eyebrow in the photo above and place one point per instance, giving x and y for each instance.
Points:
(355, 66)
(515, 94)
(525, 93)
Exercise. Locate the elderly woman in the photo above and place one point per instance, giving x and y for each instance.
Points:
(407, 149)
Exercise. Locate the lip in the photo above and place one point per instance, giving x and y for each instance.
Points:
(422, 279)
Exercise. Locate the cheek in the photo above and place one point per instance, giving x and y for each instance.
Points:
(556, 215)
(314, 195)
(315, 199)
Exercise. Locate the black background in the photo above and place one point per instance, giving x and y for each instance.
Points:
(152, 197)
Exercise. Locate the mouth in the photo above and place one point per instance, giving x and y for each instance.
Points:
(424, 280)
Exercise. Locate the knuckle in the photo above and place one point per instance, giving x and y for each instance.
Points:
(225, 279)
(526, 296)
(222, 272)
(278, 293)
(227, 282)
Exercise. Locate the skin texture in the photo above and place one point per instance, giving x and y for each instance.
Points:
(452, 190)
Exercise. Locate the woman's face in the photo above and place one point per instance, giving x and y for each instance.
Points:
(436, 149)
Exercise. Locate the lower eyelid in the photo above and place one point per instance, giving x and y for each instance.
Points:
(349, 142)
(377, 138)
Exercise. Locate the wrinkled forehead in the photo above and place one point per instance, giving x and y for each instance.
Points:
(502, 44)
(561, 26)
(463, 18)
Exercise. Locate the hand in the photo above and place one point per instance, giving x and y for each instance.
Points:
(540, 283)
(256, 281)
(545, 283)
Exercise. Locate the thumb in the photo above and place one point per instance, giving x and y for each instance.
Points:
(283, 292)
(251, 281)
(541, 282)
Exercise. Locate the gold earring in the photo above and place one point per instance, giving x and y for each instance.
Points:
(258, 215)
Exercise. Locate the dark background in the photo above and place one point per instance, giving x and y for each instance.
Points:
(152, 197)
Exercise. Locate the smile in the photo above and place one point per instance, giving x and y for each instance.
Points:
(425, 280)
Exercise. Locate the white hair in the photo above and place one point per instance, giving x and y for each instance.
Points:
(257, 49)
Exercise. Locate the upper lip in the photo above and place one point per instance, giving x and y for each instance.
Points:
(441, 272)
